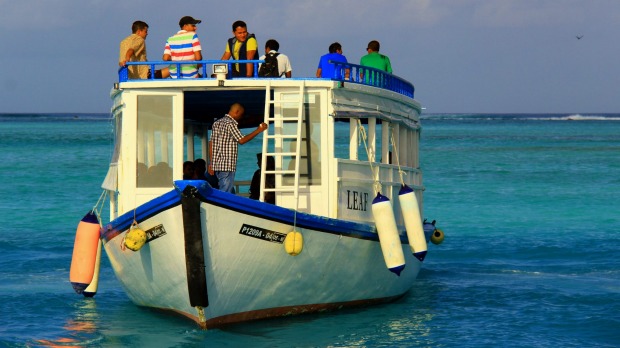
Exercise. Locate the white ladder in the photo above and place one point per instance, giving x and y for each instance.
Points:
(274, 139)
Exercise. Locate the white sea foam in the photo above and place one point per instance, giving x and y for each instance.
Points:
(523, 117)
(579, 117)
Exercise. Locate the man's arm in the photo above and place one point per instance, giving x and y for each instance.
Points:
(388, 65)
(226, 56)
(198, 56)
(128, 55)
(261, 128)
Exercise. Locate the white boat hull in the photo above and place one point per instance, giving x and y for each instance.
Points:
(247, 273)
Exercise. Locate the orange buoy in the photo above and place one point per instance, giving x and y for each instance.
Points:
(84, 258)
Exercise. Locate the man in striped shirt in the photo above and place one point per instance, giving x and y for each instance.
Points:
(184, 46)
(223, 146)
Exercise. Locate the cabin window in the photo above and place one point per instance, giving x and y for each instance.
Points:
(154, 141)
(343, 135)
(195, 142)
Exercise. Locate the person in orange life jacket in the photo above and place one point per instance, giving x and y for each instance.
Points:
(242, 46)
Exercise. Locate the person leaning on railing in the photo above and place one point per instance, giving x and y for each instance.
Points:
(133, 49)
(376, 60)
(184, 46)
(242, 46)
(327, 69)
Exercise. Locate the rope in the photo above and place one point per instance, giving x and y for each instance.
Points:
(401, 172)
(100, 203)
(375, 175)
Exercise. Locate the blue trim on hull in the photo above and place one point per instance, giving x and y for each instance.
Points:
(245, 206)
(279, 214)
(164, 202)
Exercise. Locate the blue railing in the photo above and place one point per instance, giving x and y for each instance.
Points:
(372, 77)
(344, 72)
(123, 75)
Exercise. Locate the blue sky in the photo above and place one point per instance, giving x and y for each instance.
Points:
(463, 56)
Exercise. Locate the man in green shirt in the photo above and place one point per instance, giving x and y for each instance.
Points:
(376, 60)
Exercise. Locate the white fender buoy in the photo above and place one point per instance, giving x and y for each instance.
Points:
(293, 243)
(84, 252)
(91, 290)
(413, 222)
(388, 234)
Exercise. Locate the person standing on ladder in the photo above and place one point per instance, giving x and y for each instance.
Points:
(223, 147)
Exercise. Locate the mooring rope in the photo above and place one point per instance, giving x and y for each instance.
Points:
(401, 172)
(100, 203)
(375, 174)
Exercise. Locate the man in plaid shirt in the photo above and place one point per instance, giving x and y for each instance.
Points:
(223, 145)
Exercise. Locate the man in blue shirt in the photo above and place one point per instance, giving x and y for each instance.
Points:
(326, 69)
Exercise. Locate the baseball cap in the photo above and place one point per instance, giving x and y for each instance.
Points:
(188, 20)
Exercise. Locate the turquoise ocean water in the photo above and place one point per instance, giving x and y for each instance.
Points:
(528, 203)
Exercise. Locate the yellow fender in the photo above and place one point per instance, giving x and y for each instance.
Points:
(135, 238)
(293, 243)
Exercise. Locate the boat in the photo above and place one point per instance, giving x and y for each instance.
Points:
(219, 258)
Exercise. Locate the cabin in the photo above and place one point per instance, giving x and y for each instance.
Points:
(334, 141)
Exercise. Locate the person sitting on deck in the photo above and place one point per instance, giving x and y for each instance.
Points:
(133, 49)
(201, 173)
(242, 46)
(376, 60)
(188, 170)
(270, 179)
(327, 69)
(184, 46)
(284, 64)
(200, 167)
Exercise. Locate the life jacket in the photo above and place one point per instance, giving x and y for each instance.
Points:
(240, 69)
